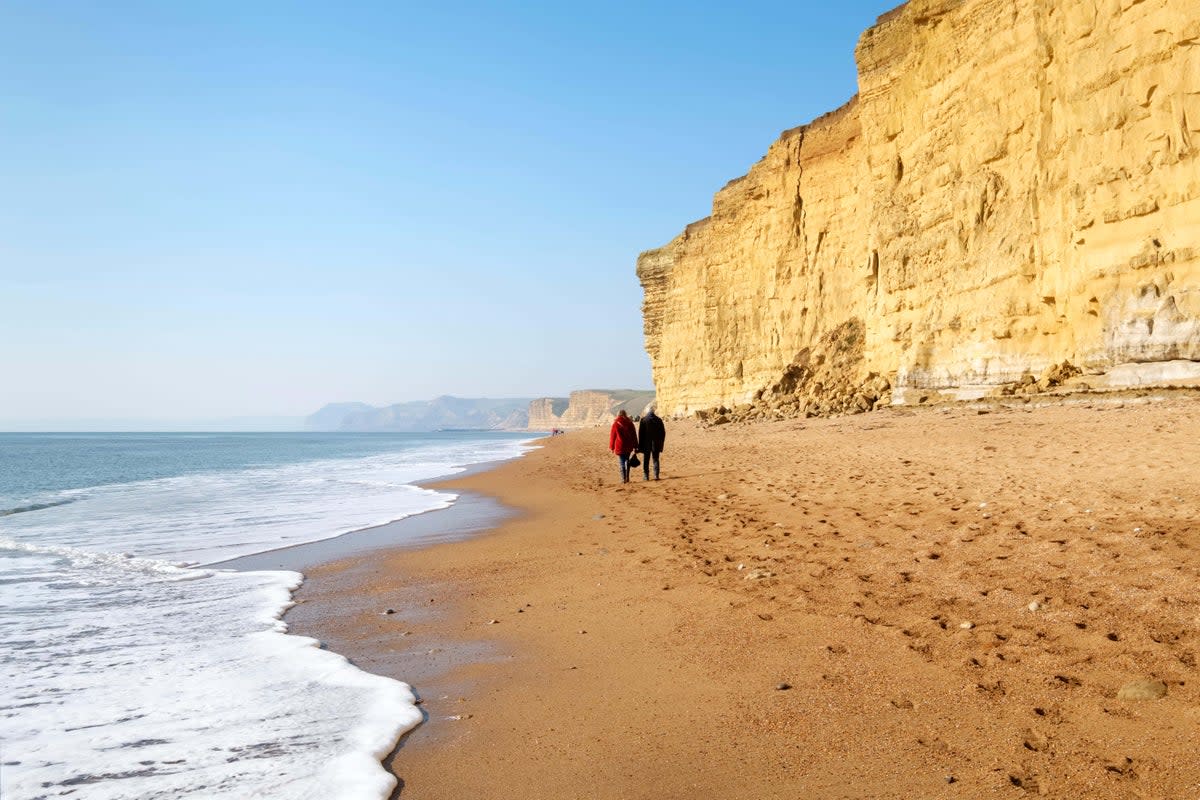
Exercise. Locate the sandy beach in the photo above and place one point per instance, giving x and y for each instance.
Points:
(913, 603)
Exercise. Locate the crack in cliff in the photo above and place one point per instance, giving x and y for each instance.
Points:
(997, 153)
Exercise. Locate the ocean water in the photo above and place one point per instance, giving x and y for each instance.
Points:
(129, 669)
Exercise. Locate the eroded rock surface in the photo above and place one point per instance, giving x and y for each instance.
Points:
(1015, 186)
(586, 408)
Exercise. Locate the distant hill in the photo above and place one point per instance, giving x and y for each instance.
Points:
(424, 415)
(331, 416)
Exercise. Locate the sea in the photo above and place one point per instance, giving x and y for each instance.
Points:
(131, 667)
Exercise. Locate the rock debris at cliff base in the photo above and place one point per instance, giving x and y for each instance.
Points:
(1015, 186)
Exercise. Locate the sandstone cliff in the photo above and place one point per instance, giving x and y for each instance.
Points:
(1015, 185)
(545, 413)
(587, 408)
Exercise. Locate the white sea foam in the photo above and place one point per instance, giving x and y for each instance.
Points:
(126, 675)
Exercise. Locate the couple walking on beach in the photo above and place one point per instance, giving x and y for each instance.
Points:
(648, 438)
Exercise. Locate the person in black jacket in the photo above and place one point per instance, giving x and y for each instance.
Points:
(652, 435)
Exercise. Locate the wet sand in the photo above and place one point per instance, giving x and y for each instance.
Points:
(911, 603)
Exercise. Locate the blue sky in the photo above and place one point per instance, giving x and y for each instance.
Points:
(219, 209)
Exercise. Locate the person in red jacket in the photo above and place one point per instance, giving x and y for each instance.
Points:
(622, 440)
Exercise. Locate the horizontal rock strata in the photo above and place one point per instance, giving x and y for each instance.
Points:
(586, 408)
(1016, 185)
(545, 413)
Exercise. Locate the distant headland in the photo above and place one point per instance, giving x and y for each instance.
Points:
(582, 409)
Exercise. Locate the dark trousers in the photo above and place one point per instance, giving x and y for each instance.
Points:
(624, 468)
(646, 465)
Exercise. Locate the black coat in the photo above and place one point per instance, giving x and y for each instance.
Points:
(652, 434)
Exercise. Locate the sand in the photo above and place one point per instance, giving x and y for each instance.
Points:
(906, 604)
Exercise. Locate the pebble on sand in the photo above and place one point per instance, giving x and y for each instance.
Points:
(966, 626)
(759, 574)
(782, 687)
(1143, 689)
(1034, 606)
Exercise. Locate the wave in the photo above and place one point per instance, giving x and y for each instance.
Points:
(88, 558)
(6, 512)
(121, 590)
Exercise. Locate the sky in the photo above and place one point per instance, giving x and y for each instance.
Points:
(224, 209)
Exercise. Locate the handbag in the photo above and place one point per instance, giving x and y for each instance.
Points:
(633, 460)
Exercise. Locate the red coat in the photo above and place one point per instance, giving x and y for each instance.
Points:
(622, 439)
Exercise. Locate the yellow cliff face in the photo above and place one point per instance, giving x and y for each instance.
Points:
(586, 408)
(545, 413)
(1016, 185)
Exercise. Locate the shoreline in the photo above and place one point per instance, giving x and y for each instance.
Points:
(351, 555)
(468, 514)
(690, 636)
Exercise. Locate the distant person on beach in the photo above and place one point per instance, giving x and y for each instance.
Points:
(652, 435)
(623, 441)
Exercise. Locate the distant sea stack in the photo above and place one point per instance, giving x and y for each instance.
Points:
(587, 408)
(1015, 186)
